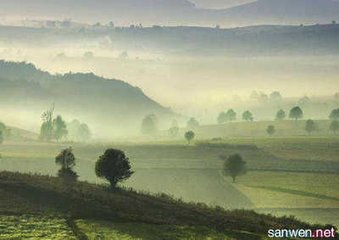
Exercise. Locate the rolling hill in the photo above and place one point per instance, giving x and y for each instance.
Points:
(82, 209)
(109, 106)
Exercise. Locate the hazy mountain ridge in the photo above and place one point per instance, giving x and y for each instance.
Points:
(86, 95)
(256, 40)
(178, 12)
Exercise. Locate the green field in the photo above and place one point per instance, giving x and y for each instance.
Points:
(287, 175)
(34, 227)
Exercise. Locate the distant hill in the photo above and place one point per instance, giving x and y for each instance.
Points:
(174, 12)
(246, 41)
(107, 105)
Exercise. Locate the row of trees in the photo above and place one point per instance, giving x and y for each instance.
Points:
(295, 113)
(310, 127)
(149, 124)
(55, 128)
(113, 165)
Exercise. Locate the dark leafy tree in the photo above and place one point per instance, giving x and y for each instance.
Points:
(66, 160)
(234, 166)
(59, 128)
(222, 118)
(189, 136)
(231, 115)
(247, 116)
(192, 124)
(334, 126)
(296, 113)
(149, 125)
(281, 115)
(270, 130)
(1, 137)
(114, 166)
(334, 115)
(310, 126)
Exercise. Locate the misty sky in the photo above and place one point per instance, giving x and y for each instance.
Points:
(219, 3)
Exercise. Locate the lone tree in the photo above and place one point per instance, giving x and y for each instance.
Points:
(334, 114)
(149, 125)
(66, 160)
(234, 166)
(296, 113)
(189, 136)
(231, 115)
(114, 166)
(334, 126)
(270, 130)
(281, 115)
(310, 126)
(247, 116)
(192, 124)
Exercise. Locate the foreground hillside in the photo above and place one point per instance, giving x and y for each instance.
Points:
(86, 208)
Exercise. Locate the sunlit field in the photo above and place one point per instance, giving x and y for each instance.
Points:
(285, 175)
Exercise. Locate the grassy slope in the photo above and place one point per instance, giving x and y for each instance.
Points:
(26, 194)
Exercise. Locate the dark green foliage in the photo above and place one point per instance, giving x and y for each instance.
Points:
(334, 126)
(1, 137)
(281, 115)
(296, 113)
(234, 166)
(66, 158)
(247, 116)
(189, 136)
(114, 166)
(334, 114)
(68, 175)
(192, 124)
(149, 125)
(270, 130)
(310, 126)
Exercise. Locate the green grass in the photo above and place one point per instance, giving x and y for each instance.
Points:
(293, 193)
(46, 196)
(34, 227)
(133, 231)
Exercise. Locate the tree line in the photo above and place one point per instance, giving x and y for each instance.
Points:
(56, 128)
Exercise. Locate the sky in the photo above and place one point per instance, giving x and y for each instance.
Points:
(219, 3)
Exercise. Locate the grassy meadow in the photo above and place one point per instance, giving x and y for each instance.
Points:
(288, 175)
